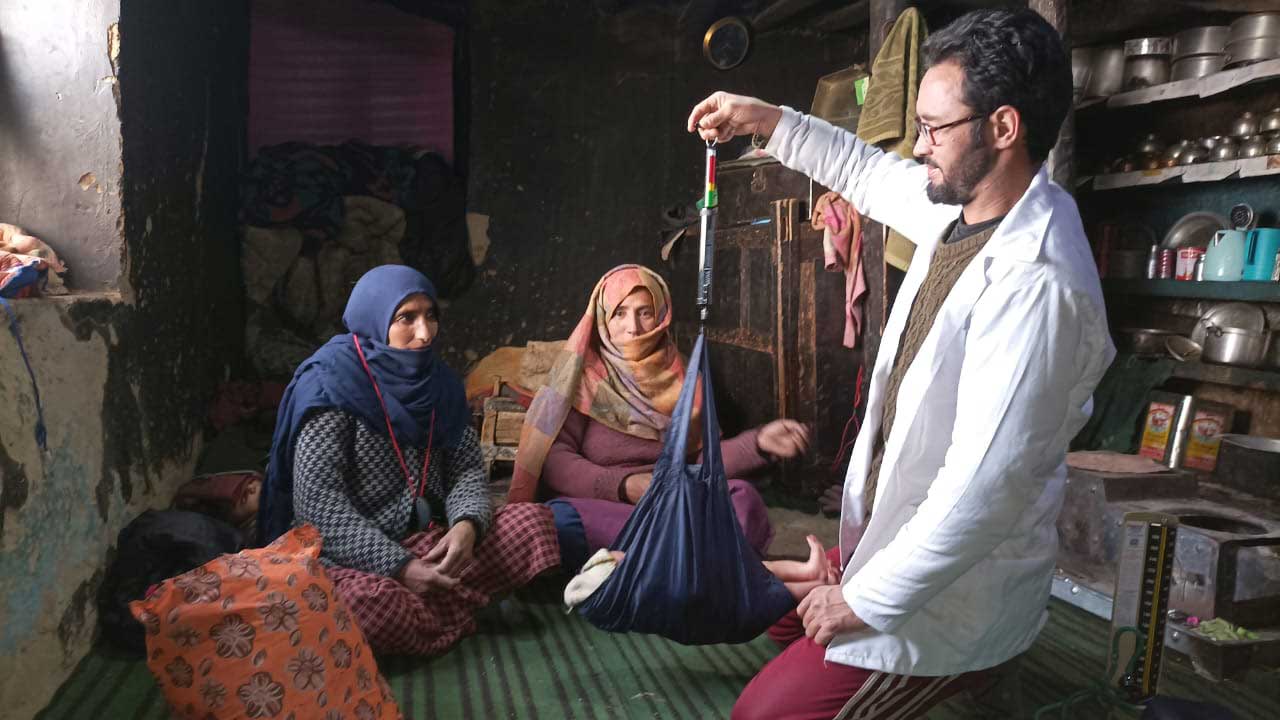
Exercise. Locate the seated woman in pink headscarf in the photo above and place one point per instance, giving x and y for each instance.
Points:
(593, 434)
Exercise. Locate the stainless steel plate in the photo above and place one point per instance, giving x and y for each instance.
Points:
(1194, 230)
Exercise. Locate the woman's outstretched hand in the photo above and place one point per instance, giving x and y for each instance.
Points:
(784, 439)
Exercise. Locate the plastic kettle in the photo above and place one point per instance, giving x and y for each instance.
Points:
(1261, 247)
(1224, 258)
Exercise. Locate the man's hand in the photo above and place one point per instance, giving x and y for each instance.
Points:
(452, 553)
(422, 578)
(783, 439)
(825, 614)
(723, 116)
(637, 485)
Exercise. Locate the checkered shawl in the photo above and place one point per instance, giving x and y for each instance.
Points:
(632, 389)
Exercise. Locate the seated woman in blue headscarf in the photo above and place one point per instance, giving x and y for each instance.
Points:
(374, 446)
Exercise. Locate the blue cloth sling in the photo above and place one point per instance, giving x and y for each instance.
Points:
(689, 574)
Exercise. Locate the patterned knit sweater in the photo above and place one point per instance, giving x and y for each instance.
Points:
(949, 260)
(349, 484)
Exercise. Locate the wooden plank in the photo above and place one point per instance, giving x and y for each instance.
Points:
(779, 12)
(506, 428)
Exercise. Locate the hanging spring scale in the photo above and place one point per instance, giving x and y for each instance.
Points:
(706, 244)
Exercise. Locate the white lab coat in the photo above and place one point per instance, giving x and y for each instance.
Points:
(952, 571)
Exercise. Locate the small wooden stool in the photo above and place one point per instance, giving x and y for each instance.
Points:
(500, 428)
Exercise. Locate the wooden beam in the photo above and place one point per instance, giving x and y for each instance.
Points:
(779, 12)
(854, 15)
(1061, 162)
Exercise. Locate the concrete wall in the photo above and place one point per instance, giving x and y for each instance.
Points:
(125, 377)
(577, 145)
(60, 133)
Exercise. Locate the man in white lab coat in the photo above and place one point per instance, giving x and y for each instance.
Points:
(996, 341)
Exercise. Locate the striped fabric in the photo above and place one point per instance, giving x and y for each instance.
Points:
(537, 662)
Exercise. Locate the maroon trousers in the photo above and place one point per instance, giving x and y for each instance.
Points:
(520, 544)
(799, 684)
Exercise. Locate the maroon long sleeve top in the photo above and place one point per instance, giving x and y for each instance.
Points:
(591, 460)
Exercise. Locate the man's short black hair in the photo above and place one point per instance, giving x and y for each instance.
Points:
(1009, 57)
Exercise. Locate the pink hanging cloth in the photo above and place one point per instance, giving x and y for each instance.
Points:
(842, 250)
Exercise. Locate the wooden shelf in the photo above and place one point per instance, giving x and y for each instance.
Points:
(1203, 290)
(1249, 378)
(1183, 174)
(1199, 87)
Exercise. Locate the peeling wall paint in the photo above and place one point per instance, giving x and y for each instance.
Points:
(125, 377)
(59, 126)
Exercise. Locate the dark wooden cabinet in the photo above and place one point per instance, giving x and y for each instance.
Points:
(777, 320)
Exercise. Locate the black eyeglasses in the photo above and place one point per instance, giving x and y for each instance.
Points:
(927, 131)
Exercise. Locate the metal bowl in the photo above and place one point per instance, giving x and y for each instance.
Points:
(1270, 121)
(1254, 26)
(1142, 47)
(1151, 145)
(1209, 142)
(1145, 71)
(1197, 66)
(1252, 50)
(1245, 125)
(1273, 143)
(1224, 152)
(1205, 40)
(1253, 146)
(1142, 341)
(1194, 154)
(1182, 349)
(1194, 230)
(1174, 151)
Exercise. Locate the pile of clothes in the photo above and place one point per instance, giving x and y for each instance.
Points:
(316, 218)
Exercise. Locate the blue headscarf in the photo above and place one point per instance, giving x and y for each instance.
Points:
(414, 385)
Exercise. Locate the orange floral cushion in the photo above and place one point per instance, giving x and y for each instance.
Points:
(260, 634)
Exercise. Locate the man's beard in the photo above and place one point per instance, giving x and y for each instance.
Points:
(957, 186)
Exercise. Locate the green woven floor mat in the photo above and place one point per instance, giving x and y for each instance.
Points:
(533, 661)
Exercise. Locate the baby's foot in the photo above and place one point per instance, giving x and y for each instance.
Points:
(817, 566)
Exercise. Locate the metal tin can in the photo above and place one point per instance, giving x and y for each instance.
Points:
(1275, 272)
(1166, 264)
(1185, 269)
(1200, 266)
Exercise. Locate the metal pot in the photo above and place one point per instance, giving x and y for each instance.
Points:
(1273, 143)
(1107, 75)
(1252, 50)
(1205, 40)
(1197, 66)
(1224, 151)
(1254, 26)
(1245, 125)
(1253, 146)
(1145, 71)
(1142, 341)
(1141, 47)
(1234, 346)
(1208, 143)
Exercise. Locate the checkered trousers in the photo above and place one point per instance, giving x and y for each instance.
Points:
(520, 544)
